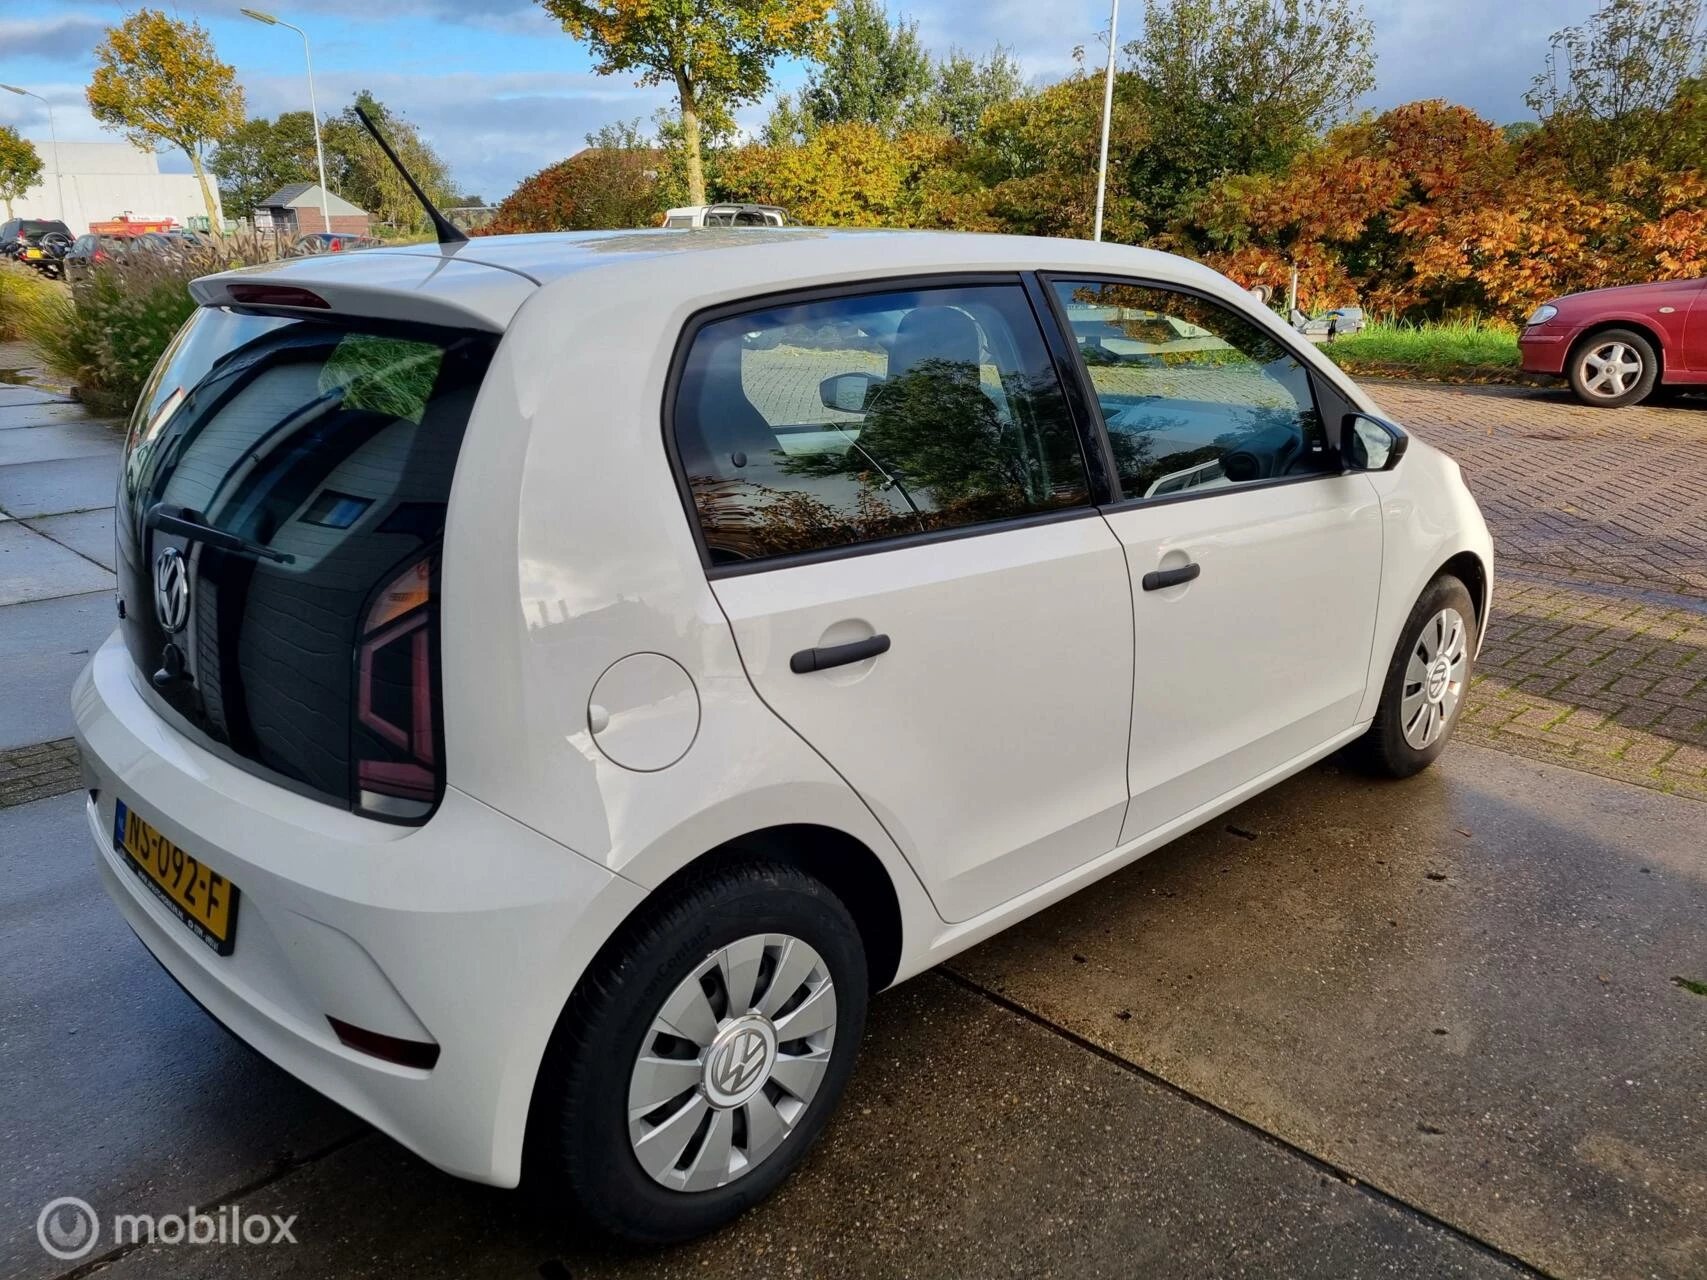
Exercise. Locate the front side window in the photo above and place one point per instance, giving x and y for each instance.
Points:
(1195, 397)
(829, 423)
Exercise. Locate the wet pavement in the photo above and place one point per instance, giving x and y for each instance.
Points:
(1451, 1026)
(1424, 1028)
(58, 470)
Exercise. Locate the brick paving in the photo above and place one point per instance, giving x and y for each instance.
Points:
(1606, 495)
(35, 773)
(1596, 656)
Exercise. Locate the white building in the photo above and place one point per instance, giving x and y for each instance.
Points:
(106, 180)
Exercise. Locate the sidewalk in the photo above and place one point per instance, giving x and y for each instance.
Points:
(57, 471)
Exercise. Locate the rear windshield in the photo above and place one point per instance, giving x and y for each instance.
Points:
(326, 450)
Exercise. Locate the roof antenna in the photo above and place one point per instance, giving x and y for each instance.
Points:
(447, 231)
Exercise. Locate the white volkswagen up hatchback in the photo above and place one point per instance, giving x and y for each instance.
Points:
(559, 678)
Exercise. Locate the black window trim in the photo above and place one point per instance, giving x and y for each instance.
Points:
(1331, 404)
(1092, 446)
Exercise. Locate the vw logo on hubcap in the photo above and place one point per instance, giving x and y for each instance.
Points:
(740, 1061)
(1438, 676)
(171, 589)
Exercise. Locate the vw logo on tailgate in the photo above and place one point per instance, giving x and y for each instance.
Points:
(171, 589)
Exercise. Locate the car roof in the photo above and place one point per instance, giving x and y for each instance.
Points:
(738, 260)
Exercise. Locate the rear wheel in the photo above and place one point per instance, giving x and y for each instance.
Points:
(701, 1055)
(1426, 682)
(1614, 368)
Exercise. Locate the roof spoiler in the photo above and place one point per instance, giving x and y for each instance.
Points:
(421, 287)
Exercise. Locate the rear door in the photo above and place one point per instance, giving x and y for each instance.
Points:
(893, 503)
(1255, 562)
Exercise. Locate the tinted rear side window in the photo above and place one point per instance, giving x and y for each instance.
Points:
(330, 449)
(856, 419)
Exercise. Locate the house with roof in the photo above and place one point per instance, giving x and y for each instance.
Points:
(291, 211)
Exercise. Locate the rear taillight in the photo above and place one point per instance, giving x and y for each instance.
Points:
(397, 755)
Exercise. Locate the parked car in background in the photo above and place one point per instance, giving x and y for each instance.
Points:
(88, 252)
(315, 242)
(36, 242)
(725, 215)
(1616, 346)
(559, 677)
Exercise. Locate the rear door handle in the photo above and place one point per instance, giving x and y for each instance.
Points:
(1156, 579)
(837, 655)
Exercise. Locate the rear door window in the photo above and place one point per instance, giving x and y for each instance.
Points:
(855, 419)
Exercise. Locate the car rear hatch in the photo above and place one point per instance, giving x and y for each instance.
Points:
(280, 514)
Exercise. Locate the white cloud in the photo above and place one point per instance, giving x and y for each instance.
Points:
(69, 38)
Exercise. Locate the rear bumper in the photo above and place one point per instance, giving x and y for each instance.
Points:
(469, 932)
(1542, 349)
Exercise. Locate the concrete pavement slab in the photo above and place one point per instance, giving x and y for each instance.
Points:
(88, 533)
(13, 394)
(1459, 988)
(35, 567)
(43, 645)
(972, 1143)
(42, 411)
(61, 440)
(113, 1085)
(66, 484)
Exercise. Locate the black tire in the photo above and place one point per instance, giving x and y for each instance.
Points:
(1384, 749)
(579, 1152)
(1586, 375)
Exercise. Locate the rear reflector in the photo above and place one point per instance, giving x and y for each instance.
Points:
(275, 295)
(405, 1053)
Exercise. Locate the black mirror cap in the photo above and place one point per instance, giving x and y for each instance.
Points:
(1399, 437)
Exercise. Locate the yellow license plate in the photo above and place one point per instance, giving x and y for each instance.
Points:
(198, 895)
(31, 255)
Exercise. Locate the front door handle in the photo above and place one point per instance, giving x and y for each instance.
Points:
(1156, 579)
(837, 655)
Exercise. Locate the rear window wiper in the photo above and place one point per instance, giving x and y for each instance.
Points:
(186, 524)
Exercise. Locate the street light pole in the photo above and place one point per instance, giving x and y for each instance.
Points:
(52, 132)
(1107, 114)
(313, 110)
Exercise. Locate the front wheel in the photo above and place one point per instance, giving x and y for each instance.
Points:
(1612, 369)
(1427, 679)
(701, 1055)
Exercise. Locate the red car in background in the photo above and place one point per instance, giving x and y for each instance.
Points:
(1616, 345)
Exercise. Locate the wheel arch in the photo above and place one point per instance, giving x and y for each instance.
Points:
(1468, 568)
(1640, 327)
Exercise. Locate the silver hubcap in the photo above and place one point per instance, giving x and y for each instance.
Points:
(1434, 678)
(731, 1062)
(1611, 369)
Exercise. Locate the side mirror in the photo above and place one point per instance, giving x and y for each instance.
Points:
(848, 392)
(1368, 443)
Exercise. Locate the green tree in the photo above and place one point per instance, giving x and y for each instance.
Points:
(261, 156)
(160, 80)
(357, 169)
(716, 50)
(1037, 156)
(872, 71)
(1610, 83)
(20, 166)
(1241, 86)
(965, 88)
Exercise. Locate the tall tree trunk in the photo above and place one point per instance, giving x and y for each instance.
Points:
(214, 226)
(690, 139)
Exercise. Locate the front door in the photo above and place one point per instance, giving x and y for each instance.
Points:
(893, 503)
(1255, 563)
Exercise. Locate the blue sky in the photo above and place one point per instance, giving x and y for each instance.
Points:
(501, 91)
